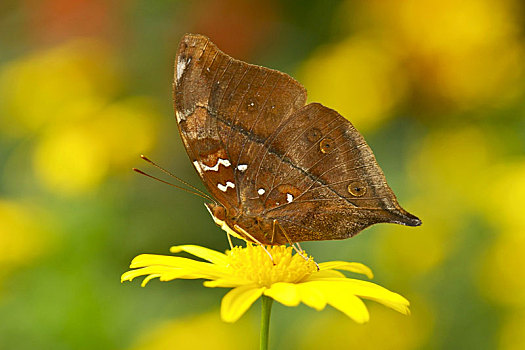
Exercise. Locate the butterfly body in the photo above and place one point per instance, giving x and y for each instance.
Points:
(280, 170)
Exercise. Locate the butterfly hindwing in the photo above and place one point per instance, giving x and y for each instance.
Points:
(334, 188)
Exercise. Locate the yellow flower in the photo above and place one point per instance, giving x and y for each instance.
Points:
(290, 279)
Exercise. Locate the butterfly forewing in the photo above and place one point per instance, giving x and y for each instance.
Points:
(200, 69)
(232, 105)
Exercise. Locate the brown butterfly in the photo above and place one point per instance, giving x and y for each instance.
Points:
(281, 171)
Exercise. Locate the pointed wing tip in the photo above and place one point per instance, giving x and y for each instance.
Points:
(418, 223)
(402, 217)
(412, 220)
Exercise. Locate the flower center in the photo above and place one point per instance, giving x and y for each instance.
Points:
(253, 264)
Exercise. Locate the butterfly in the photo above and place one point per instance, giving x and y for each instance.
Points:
(279, 170)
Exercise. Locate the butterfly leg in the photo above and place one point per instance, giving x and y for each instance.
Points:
(254, 240)
(229, 239)
(273, 231)
(293, 245)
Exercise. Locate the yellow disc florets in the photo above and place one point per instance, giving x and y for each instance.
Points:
(254, 264)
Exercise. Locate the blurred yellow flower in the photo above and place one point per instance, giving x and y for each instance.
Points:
(186, 333)
(70, 160)
(58, 84)
(75, 157)
(501, 275)
(24, 234)
(332, 331)
(65, 96)
(290, 279)
(503, 202)
(451, 172)
(468, 53)
(429, 245)
(511, 333)
(455, 161)
(359, 77)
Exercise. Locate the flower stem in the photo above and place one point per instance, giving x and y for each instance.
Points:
(265, 321)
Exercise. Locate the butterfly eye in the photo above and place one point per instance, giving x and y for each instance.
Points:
(326, 145)
(219, 212)
(357, 189)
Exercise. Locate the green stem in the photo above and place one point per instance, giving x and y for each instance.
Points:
(265, 321)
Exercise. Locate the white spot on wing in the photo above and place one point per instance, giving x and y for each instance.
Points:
(289, 198)
(261, 191)
(242, 167)
(181, 115)
(220, 161)
(197, 166)
(224, 188)
(181, 67)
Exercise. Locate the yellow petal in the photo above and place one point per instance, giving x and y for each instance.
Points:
(143, 260)
(173, 274)
(237, 301)
(149, 278)
(341, 297)
(206, 269)
(285, 293)
(164, 273)
(226, 283)
(347, 266)
(372, 291)
(324, 274)
(351, 306)
(368, 290)
(201, 252)
(130, 275)
(311, 296)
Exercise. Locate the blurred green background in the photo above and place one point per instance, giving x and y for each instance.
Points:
(437, 88)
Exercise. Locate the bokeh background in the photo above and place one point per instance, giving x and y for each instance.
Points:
(437, 88)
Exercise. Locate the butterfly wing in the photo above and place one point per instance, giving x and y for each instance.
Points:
(193, 84)
(262, 152)
(221, 105)
(327, 184)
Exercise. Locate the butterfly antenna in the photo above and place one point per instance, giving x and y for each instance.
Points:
(174, 176)
(202, 195)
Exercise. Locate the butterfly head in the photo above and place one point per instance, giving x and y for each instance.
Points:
(217, 211)
(221, 218)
